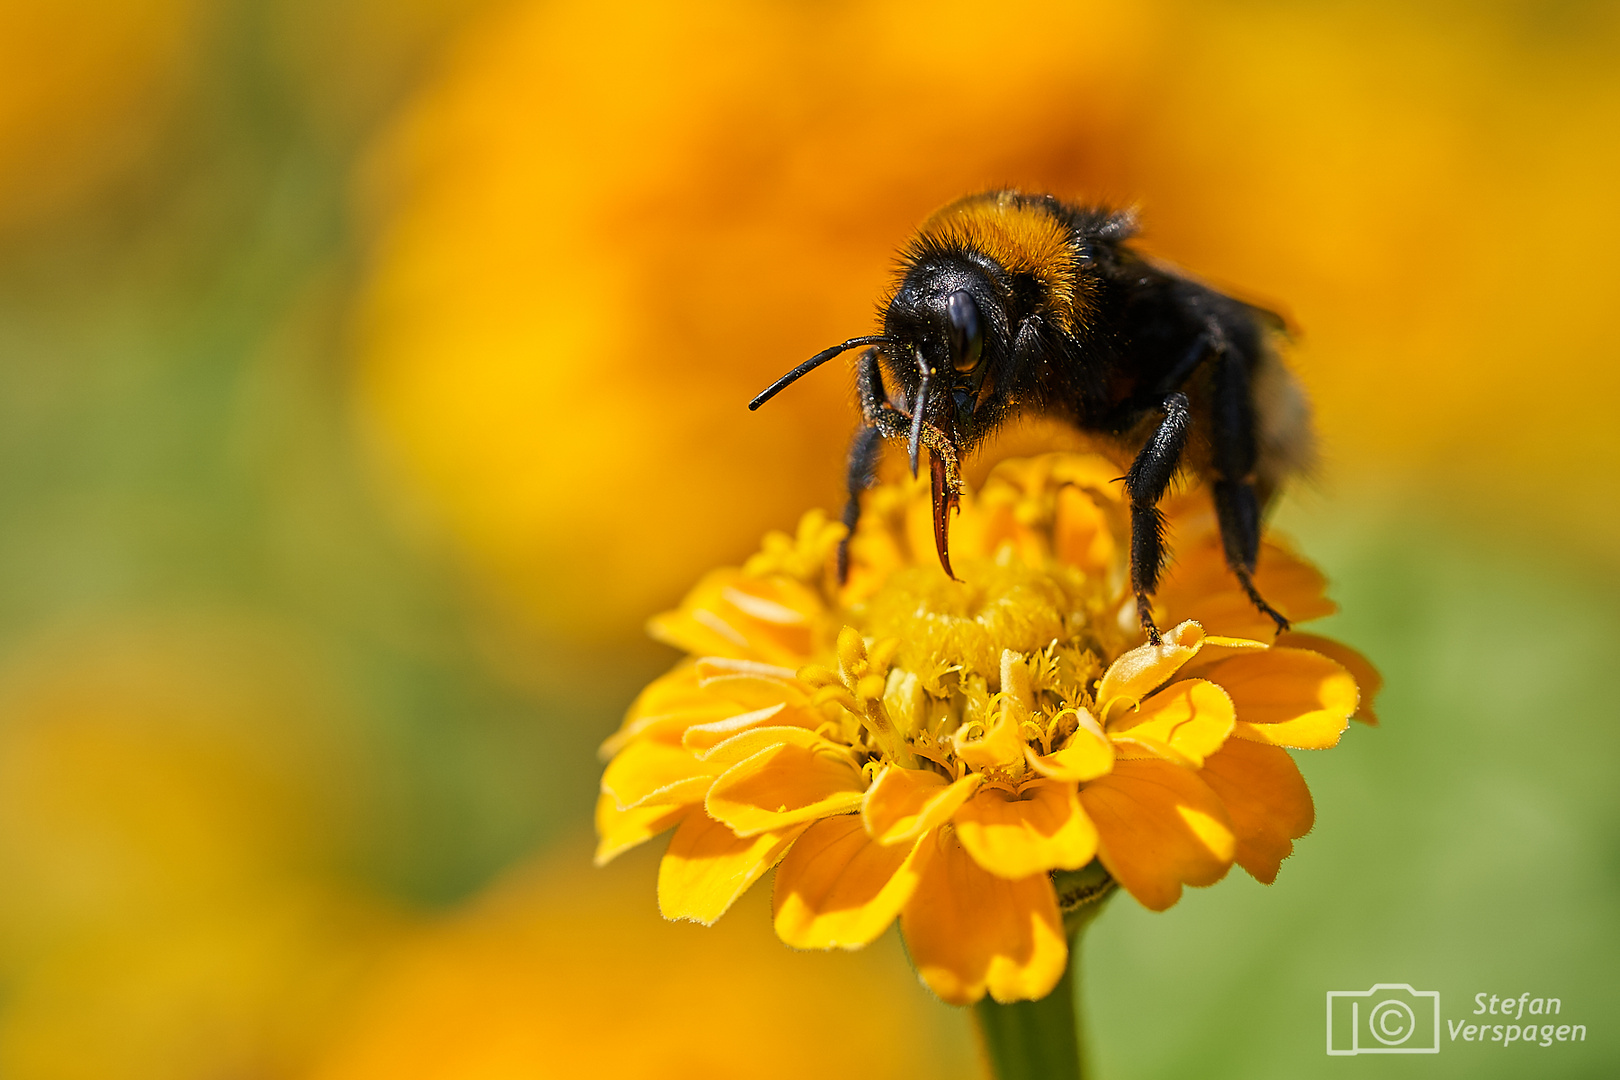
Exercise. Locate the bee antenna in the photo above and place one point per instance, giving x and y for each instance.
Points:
(810, 365)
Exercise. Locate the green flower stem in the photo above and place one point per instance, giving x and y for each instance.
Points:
(1040, 1040)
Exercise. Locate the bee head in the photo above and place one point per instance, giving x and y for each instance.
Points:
(947, 333)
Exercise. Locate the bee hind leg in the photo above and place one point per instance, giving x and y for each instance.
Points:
(1236, 507)
(1146, 483)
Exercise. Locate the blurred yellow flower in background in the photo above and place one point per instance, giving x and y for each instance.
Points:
(557, 972)
(910, 746)
(175, 814)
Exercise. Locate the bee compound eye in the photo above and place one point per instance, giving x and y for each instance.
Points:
(966, 332)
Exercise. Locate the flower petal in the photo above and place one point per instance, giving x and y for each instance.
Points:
(1002, 747)
(840, 889)
(1085, 755)
(667, 707)
(1267, 800)
(734, 614)
(1080, 534)
(1158, 826)
(708, 866)
(1200, 586)
(750, 741)
(1368, 679)
(1040, 828)
(700, 738)
(655, 774)
(969, 931)
(618, 830)
(1185, 722)
(1143, 669)
(748, 683)
(902, 803)
(783, 785)
(1288, 697)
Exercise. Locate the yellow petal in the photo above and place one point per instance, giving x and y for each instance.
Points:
(838, 888)
(1085, 755)
(1185, 722)
(655, 774)
(667, 706)
(1266, 799)
(1002, 747)
(1368, 680)
(1158, 827)
(733, 614)
(902, 803)
(748, 683)
(1135, 674)
(783, 785)
(1040, 828)
(708, 866)
(618, 830)
(969, 931)
(701, 738)
(745, 744)
(1288, 697)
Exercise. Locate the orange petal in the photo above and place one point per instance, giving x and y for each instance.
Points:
(902, 804)
(1288, 697)
(1185, 722)
(969, 931)
(649, 773)
(1040, 828)
(618, 830)
(1267, 800)
(783, 785)
(840, 889)
(1081, 535)
(1158, 827)
(1138, 672)
(1368, 680)
(1200, 586)
(708, 866)
(1085, 755)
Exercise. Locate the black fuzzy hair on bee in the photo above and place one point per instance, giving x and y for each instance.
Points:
(1006, 303)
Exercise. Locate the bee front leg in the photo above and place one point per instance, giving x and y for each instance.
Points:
(876, 414)
(863, 453)
(1236, 507)
(1146, 484)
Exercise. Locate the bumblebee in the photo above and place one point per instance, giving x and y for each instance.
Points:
(1006, 303)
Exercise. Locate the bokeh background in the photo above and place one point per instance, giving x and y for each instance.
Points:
(370, 371)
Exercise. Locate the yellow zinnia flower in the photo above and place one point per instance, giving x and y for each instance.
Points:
(908, 746)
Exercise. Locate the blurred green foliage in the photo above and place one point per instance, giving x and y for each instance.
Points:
(1470, 843)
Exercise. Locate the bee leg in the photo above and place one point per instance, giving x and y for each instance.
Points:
(863, 452)
(1236, 507)
(1146, 484)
